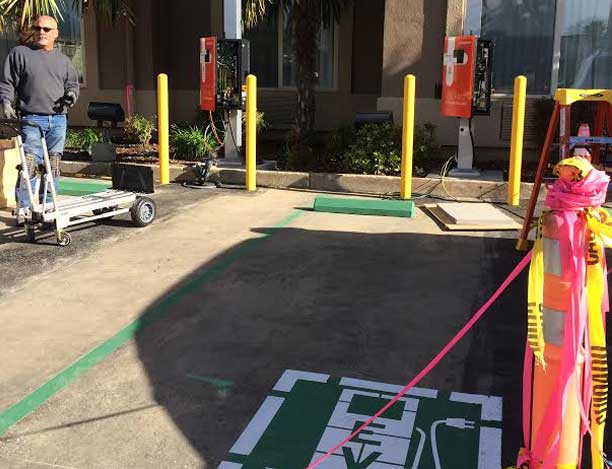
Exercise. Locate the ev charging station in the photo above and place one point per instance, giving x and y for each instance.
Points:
(466, 91)
(224, 65)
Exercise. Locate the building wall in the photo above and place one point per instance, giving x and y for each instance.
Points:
(119, 54)
(165, 39)
(358, 79)
(414, 43)
(91, 89)
(395, 36)
(368, 35)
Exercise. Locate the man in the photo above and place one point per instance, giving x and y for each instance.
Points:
(42, 84)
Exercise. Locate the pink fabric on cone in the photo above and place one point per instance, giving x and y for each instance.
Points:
(589, 192)
(566, 200)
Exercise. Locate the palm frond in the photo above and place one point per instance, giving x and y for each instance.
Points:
(19, 13)
(254, 10)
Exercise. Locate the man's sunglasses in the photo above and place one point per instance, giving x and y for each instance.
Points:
(42, 28)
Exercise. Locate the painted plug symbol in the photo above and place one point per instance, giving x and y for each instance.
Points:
(459, 423)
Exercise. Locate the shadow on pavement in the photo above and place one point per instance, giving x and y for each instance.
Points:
(370, 306)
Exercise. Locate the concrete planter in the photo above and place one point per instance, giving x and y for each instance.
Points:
(325, 182)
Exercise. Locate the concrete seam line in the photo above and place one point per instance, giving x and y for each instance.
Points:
(36, 398)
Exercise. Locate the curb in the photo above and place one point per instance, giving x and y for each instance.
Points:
(325, 182)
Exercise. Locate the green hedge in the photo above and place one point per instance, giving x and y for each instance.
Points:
(373, 149)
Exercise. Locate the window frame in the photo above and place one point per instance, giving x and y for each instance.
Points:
(83, 84)
(279, 56)
(477, 12)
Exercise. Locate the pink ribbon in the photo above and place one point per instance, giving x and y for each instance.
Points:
(566, 200)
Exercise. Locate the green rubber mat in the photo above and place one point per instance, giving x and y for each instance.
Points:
(389, 208)
(82, 186)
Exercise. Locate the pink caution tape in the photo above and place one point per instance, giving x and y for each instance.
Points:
(464, 330)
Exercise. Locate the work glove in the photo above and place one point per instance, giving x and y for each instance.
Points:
(7, 110)
(70, 98)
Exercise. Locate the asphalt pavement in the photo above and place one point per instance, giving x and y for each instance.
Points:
(247, 331)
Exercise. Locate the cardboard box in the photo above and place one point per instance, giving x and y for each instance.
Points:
(9, 158)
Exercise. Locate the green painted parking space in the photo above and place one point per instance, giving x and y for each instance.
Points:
(307, 414)
(76, 187)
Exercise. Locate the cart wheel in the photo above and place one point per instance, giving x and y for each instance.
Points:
(30, 234)
(143, 211)
(64, 239)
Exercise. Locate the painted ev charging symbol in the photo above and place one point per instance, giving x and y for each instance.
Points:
(309, 413)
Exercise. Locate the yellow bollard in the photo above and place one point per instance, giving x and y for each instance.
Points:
(251, 133)
(516, 145)
(163, 128)
(408, 137)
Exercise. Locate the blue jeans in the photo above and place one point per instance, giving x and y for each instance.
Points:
(54, 130)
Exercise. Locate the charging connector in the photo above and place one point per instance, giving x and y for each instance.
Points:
(459, 423)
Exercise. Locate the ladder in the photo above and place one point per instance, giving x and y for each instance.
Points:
(564, 98)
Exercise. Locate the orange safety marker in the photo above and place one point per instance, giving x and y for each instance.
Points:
(565, 374)
(556, 306)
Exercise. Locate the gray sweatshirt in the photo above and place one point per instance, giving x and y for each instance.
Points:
(37, 79)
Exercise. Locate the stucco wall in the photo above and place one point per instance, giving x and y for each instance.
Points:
(368, 34)
(486, 129)
(413, 43)
(91, 91)
(108, 64)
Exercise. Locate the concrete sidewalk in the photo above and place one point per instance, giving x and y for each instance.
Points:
(216, 319)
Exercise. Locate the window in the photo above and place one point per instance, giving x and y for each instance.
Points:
(70, 41)
(554, 43)
(585, 46)
(272, 57)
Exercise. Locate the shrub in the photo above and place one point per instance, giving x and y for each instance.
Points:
(139, 128)
(424, 148)
(83, 140)
(191, 143)
(260, 122)
(377, 149)
(304, 154)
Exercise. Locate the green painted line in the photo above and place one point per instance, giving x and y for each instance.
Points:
(389, 208)
(82, 187)
(36, 398)
(218, 383)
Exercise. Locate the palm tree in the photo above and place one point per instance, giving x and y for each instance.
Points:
(304, 19)
(18, 14)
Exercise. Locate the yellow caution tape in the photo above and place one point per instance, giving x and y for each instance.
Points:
(535, 297)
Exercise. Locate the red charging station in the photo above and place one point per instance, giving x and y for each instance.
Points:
(208, 85)
(466, 90)
(458, 76)
(224, 66)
